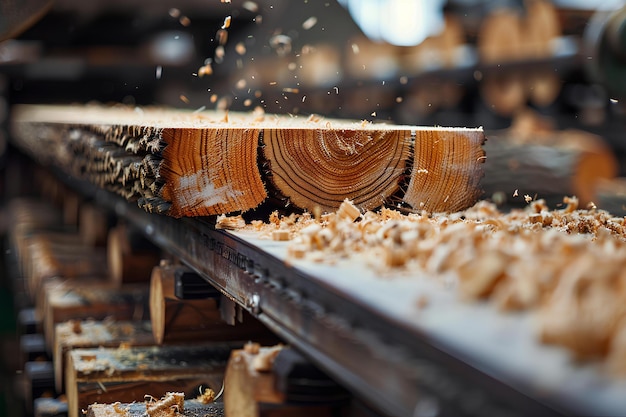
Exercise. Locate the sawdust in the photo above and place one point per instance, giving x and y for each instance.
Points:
(566, 264)
(207, 396)
(172, 404)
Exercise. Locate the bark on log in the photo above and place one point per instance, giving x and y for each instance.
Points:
(185, 164)
(128, 374)
(176, 320)
(537, 160)
(75, 334)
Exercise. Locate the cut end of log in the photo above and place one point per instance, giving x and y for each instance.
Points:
(323, 167)
(210, 172)
(447, 169)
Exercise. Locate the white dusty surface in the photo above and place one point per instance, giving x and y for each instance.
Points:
(503, 345)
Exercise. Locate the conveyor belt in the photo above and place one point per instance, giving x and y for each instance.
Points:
(449, 359)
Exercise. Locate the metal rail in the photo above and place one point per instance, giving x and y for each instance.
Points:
(397, 370)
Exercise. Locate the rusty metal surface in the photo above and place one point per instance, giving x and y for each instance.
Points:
(395, 366)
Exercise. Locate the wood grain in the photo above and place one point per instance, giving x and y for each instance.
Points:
(187, 164)
(323, 167)
(176, 319)
(446, 170)
(211, 171)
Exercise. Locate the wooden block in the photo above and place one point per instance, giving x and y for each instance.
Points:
(74, 334)
(61, 283)
(75, 300)
(200, 164)
(191, 408)
(251, 388)
(130, 257)
(128, 374)
(177, 320)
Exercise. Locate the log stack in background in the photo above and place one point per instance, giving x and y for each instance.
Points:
(87, 335)
(511, 36)
(533, 158)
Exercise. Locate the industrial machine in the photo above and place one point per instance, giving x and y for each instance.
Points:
(366, 346)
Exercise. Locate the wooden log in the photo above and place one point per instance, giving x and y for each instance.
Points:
(177, 320)
(540, 160)
(443, 166)
(192, 408)
(130, 257)
(185, 164)
(24, 215)
(128, 374)
(439, 51)
(74, 334)
(78, 299)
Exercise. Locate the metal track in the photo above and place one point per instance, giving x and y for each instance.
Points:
(393, 368)
(396, 368)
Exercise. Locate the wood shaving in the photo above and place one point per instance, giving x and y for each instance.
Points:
(121, 411)
(207, 396)
(172, 404)
(230, 222)
(565, 264)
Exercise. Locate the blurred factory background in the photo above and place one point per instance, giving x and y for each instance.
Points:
(457, 62)
(549, 76)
